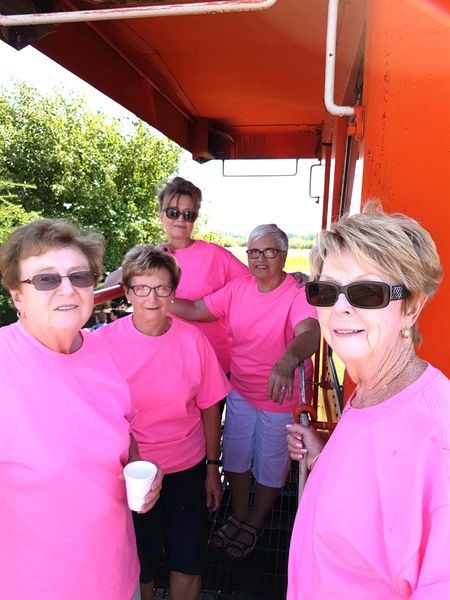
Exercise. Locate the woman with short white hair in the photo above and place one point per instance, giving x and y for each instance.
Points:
(272, 329)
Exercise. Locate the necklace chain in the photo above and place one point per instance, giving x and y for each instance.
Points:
(402, 377)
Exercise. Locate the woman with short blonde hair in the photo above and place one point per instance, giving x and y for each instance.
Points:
(375, 513)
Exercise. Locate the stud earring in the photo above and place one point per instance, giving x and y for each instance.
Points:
(405, 333)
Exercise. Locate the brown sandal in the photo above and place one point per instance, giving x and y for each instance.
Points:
(244, 549)
(221, 539)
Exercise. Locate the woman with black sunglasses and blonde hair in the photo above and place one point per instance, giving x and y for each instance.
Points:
(206, 267)
(176, 384)
(64, 428)
(374, 518)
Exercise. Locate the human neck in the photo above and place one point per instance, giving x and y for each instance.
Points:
(271, 284)
(153, 329)
(389, 380)
(64, 342)
(179, 244)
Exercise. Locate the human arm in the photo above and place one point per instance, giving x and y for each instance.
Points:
(304, 344)
(300, 278)
(191, 310)
(304, 442)
(155, 489)
(114, 278)
(213, 485)
(426, 572)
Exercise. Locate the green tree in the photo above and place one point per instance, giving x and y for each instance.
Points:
(97, 171)
(11, 216)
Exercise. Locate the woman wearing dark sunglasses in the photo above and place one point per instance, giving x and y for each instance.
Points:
(205, 266)
(272, 329)
(374, 518)
(176, 384)
(64, 428)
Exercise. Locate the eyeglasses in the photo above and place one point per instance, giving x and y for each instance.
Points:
(361, 294)
(162, 291)
(173, 213)
(267, 252)
(45, 282)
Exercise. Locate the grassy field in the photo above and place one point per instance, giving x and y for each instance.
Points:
(297, 260)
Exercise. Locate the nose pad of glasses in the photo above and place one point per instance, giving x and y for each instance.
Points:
(343, 302)
(65, 283)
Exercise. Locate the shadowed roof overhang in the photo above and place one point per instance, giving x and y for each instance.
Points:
(243, 85)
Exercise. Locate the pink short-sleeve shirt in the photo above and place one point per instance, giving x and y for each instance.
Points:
(64, 437)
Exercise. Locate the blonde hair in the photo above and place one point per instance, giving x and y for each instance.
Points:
(393, 243)
(40, 235)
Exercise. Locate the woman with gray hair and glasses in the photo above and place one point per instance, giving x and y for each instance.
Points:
(374, 518)
(176, 384)
(272, 330)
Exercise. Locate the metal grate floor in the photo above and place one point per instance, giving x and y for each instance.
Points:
(263, 574)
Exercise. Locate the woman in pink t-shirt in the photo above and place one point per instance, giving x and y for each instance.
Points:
(64, 428)
(176, 384)
(272, 329)
(205, 266)
(374, 517)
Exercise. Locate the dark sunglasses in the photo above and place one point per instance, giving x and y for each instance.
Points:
(162, 291)
(361, 294)
(173, 213)
(45, 282)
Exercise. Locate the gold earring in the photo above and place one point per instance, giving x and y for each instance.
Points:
(405, 333)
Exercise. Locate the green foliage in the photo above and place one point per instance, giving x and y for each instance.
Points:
(230, 240)
(223, 239)
(297, 260)
(82, 165)
(11, 216)
(301, 243)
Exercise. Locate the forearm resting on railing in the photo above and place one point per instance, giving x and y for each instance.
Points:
(191, 310)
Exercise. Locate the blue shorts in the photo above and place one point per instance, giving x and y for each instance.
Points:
(178, 523)
(255, 439)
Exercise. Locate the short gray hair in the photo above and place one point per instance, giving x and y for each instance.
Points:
(272, 230)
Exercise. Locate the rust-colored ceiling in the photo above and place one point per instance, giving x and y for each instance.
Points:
(242, 85)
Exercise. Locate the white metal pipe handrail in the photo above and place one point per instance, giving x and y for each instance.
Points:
(140, 12)
(330, 63)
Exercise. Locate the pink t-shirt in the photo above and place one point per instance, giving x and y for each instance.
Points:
(374, 518)
(66, 531)
(261, 325)
(205, 268)
(171, 377)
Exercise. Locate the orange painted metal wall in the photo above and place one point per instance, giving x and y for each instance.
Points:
(406, 144)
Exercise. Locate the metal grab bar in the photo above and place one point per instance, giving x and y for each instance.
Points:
(140, 12)
(330, 64)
